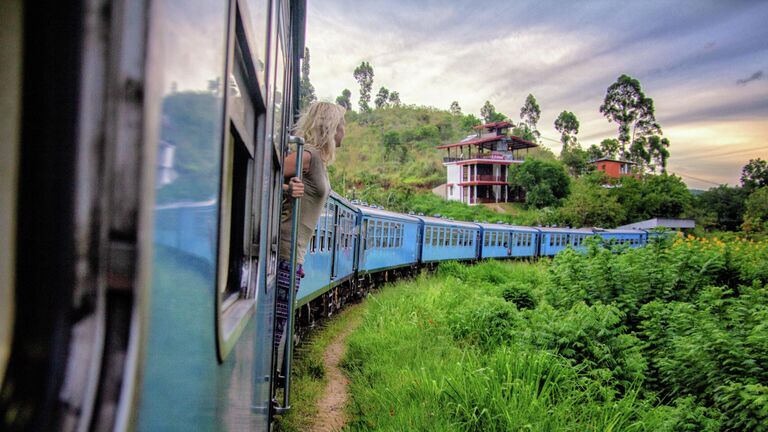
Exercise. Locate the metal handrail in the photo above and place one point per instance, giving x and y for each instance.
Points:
(295, 216)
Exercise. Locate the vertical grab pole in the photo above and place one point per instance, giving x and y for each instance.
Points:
(296, 214)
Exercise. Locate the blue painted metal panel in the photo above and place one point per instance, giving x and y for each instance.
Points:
(502, 241)
(318, 259)
(448, 240)
(387, 240)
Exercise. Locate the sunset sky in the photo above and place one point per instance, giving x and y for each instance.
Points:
(705, 64)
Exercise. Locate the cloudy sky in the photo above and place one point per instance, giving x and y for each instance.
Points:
(705, 64)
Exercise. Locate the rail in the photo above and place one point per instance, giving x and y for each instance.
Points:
(485, 177)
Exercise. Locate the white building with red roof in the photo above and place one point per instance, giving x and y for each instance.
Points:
(478, 166)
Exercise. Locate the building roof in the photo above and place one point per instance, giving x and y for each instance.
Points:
(516, 142)
(605, 159)
(661, 222)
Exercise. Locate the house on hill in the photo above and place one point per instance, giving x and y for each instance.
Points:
(478, 166)
(612, 167)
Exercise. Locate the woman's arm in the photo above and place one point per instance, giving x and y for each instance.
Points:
(292, 186)
(289, 165)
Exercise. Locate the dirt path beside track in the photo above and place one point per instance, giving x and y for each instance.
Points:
(331, 415)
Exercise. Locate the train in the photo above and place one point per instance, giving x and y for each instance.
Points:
(143, 145)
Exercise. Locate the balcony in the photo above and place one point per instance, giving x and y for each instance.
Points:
(505, 158)
(484, 178)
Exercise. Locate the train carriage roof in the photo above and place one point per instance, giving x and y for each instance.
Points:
(622, 231)
(587, 231)
(343, 201)
(447, 222)
(377, 212)
(518, 228)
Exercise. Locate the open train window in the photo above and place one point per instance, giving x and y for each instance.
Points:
(239, 205)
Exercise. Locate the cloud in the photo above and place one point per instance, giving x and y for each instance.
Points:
(565, 53)
(754, 77)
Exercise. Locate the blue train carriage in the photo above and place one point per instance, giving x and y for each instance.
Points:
(160, 117)
(554, 239)
(502, 241)
(329, 261)
(388, 241)
(631, 237)
(208, 361)
(444, 239)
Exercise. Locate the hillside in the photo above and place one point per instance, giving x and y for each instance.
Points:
(389, 158)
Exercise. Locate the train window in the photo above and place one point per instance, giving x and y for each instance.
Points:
(239, 204)
(435, 236)
(428, 236)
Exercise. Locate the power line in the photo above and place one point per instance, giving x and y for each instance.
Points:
(721, 153)
(697, 178)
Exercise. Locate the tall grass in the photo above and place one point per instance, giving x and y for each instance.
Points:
(447, 352)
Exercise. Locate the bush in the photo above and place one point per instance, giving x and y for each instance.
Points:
(521, 295)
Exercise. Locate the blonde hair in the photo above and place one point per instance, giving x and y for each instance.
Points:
(318, 124)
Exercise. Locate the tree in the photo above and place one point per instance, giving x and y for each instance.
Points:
(487, 111)
(590, 205)
(568, 126)
(344, 99)
(594, 152)
(394, 99)
(469, 121)
(754, 174)
(306, 89)
(756, 214)
(489, 114)
(545, 182)
(455, 108)
(658, 152)
(382, 98)
(530, 113)
(391, 141)
(626, 105)
(575, 158)
(364, 76)
(653, 196)
(722, 207)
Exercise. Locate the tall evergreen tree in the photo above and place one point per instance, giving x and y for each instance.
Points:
(382, 98)
(489, 114)
(568, 126)
(455, 108)
(364, 76)
(306, 89)
(626, 105)
(344, 100)
(530, 114)
(394, 98)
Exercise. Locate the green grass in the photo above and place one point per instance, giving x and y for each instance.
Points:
(434, 354)
(308, 379)
(479, 348)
